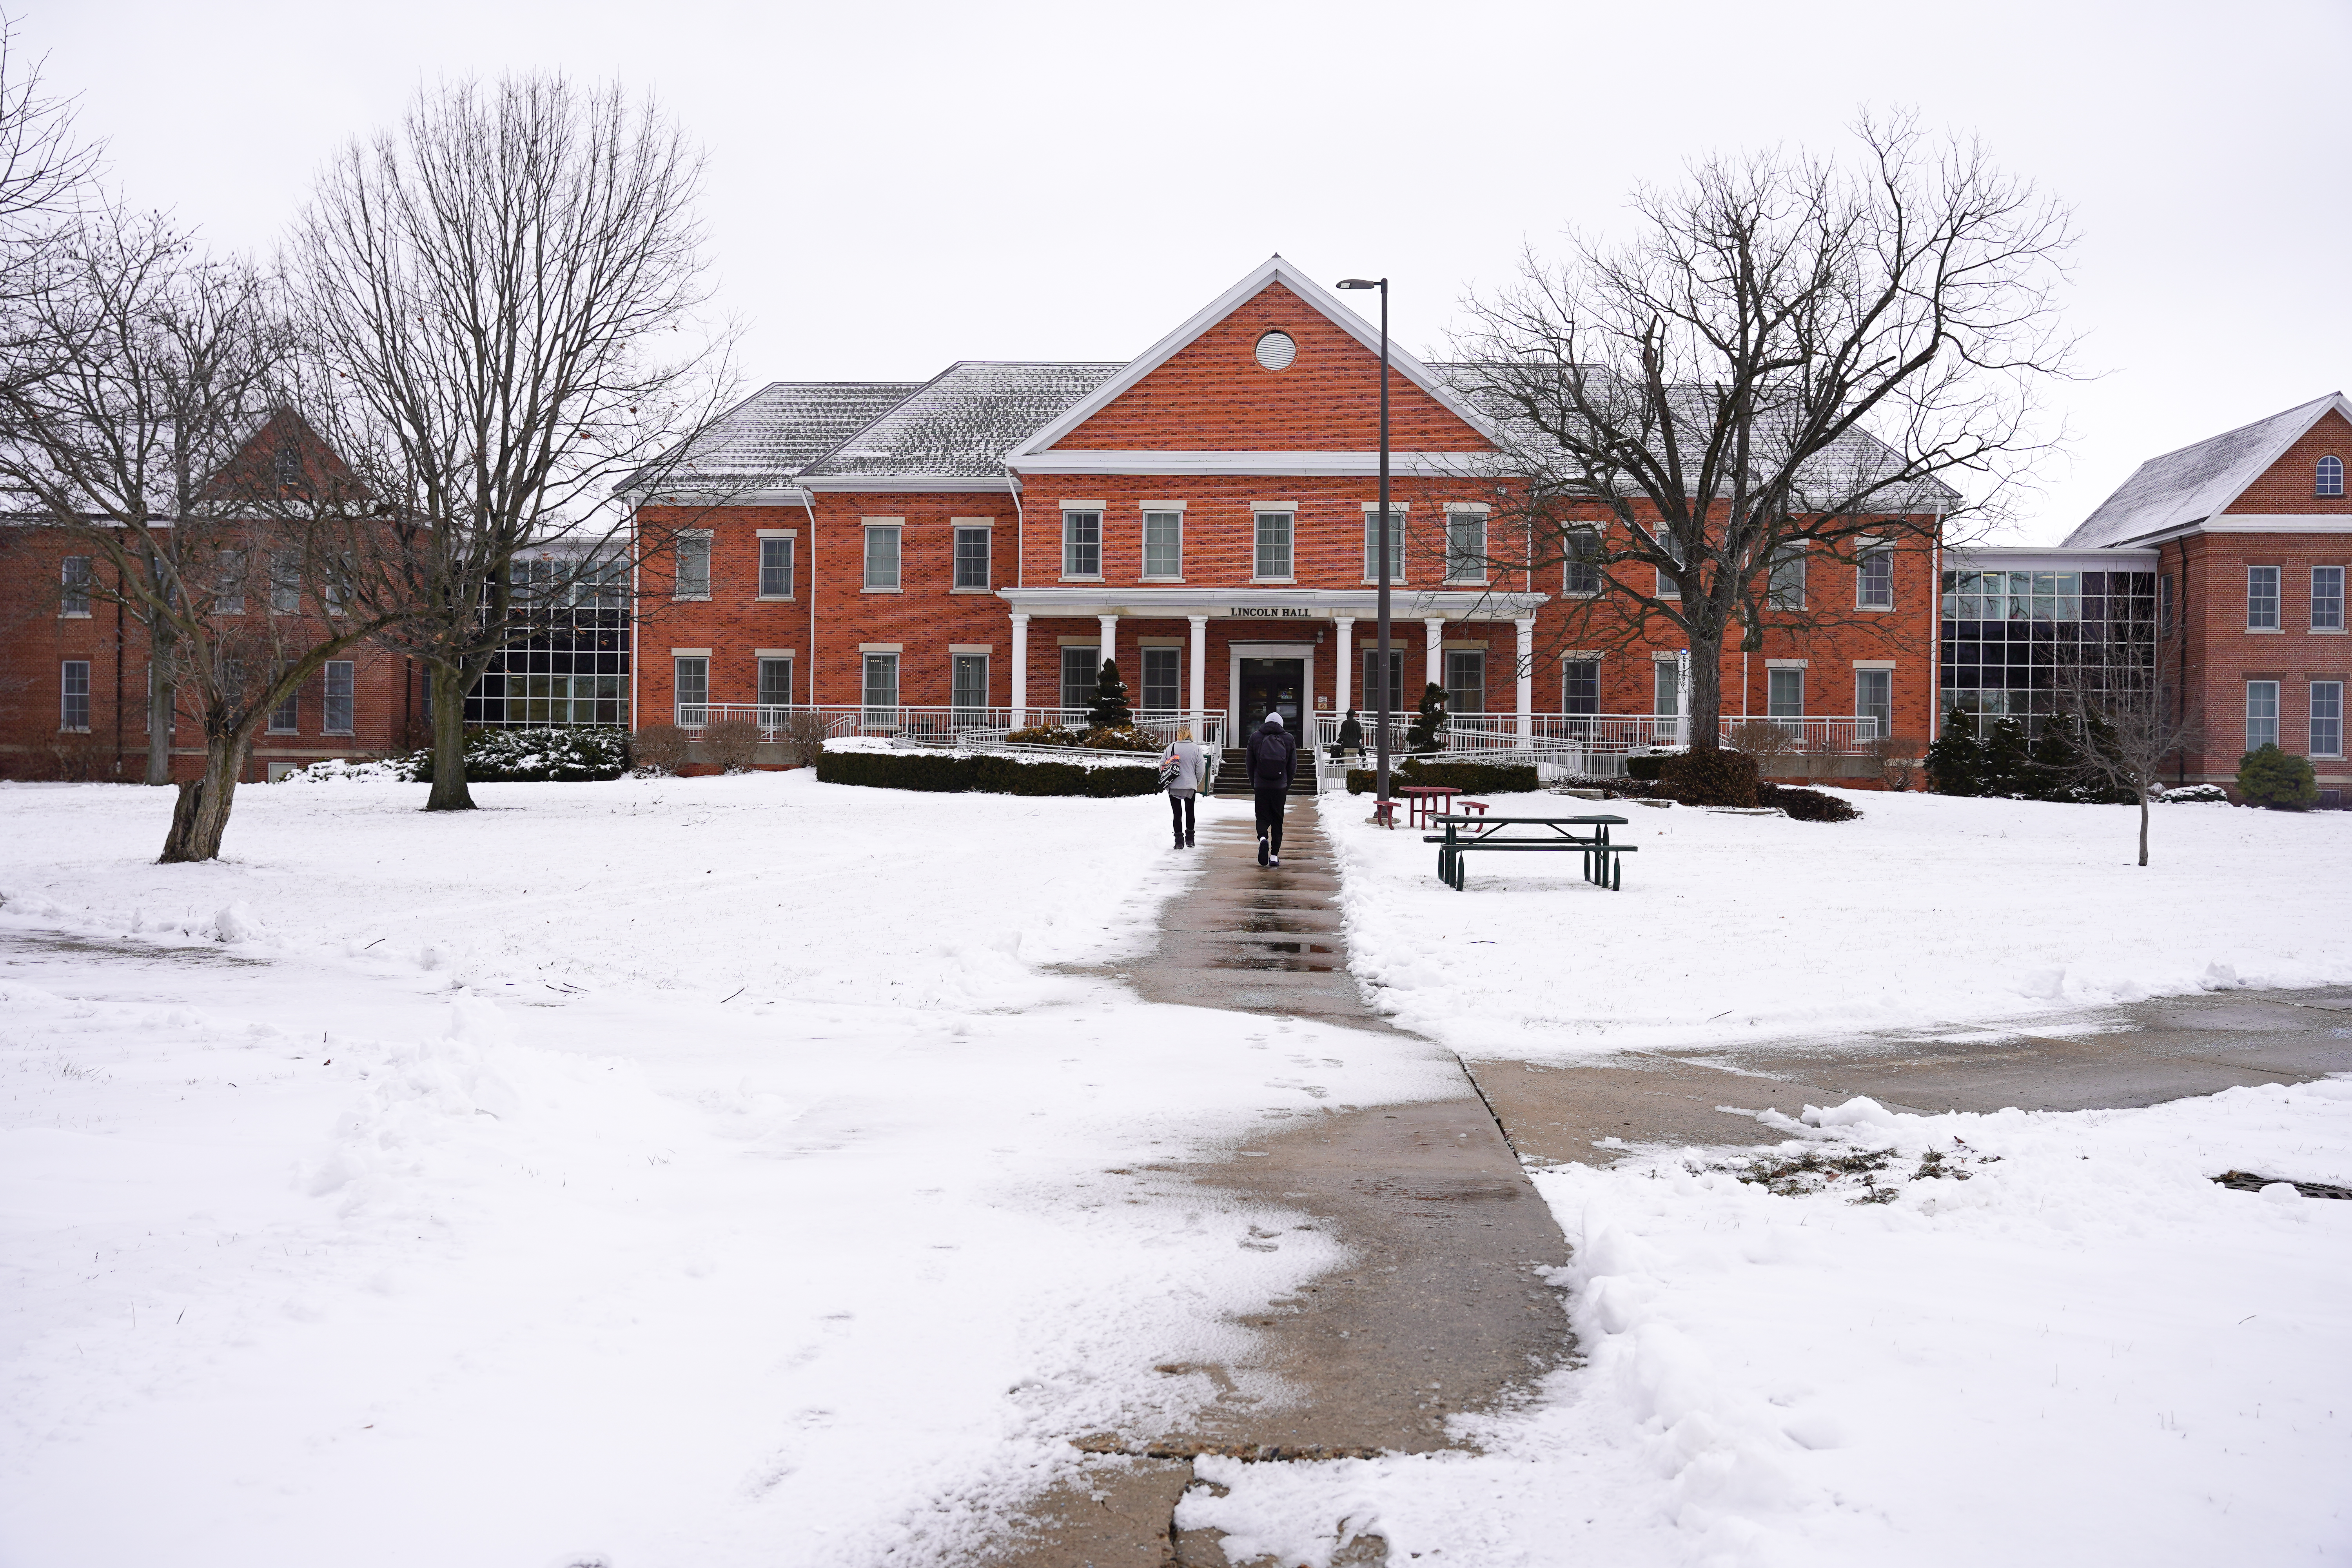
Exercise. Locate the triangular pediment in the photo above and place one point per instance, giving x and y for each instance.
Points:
(1203, 387)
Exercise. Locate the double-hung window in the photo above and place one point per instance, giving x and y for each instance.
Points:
(972, 546)
(1163, 545)
(1580, 687)
(692, 552)
(693, 682)
(287, 716)
(1162, 692)
(2327, 718)
(1787, 578)
(73, 696)
(1672, 549)
(73, 587)
(1465, 546)
(1874, 580)
(2262, 598)
(776, 565)
(1581, 579)
(881, 685)
(1784, 693)
(882, 563)
(228, 591)
(1082, 543)
(1873, 697)
(776, 684)
(285, 582)
(1373, 545)
(1465, 680)
(336, 716)
(1272, 561)
(968, 685)
(1666, 698)
(2262, 714)
(1081, 671)
(1370, 697)
(2327, 598)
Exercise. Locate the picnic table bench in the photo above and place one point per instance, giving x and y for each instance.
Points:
(1426, 803)
(1603, 865)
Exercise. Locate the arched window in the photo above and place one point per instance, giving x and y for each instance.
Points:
(2331, 477)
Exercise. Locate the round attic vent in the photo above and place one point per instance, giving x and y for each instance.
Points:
(1275, 350)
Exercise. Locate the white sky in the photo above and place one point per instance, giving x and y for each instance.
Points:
(895, 187)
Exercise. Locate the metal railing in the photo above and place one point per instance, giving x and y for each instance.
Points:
(1615, 734)
(926, 725)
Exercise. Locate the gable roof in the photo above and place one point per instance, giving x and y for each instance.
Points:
(2182, 489)
(959, 425)
(1274, 269)
(764, 441)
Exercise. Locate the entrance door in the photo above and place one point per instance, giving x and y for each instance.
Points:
(1275, 686)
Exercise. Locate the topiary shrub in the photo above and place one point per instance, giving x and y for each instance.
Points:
(2278, 780)
(1647, 769)
(1715, 777)
(1427, 732)
(731, 744)
(659, 749)
(1109, 709)
(1806, 805)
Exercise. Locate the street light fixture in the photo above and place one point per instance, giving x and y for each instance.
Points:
(1381, 681)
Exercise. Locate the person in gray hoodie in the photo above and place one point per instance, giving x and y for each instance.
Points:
(1185, 766)
(1273, 758)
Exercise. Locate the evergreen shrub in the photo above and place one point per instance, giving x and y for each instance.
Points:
(948, 773)
(532, 756)
(2196, 794)
(1806, 805)
(1044, 735)
(1647, 769)
(1109, 709)
(1715, 777)
(1427, 732)
(2278, 780)
(1476, 778)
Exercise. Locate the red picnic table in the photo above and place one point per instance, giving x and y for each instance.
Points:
(1424, 804)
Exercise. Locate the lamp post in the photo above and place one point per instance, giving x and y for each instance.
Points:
(1380, 682)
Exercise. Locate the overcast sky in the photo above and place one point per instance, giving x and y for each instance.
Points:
(895, 187)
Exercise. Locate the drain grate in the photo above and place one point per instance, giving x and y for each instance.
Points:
(2247, 1182)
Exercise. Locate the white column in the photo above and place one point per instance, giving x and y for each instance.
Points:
(1109, 649)
(1020, 667)
(1526, 628)
(1436, 675)
(1682, 697)
(1200, 625)
(1343, 679)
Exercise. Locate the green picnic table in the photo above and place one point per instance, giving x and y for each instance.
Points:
(1558, 835)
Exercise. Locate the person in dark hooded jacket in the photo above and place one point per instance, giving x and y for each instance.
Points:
(1273, 758)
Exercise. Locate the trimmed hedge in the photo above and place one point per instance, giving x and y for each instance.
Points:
(1719, 777)
(1478, 778)
(987, 774)
(1647, 769)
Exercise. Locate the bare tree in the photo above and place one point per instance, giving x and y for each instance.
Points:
(502, 297)
(2122, 692)
(45, 180)
(140, 414)
(1795, 360)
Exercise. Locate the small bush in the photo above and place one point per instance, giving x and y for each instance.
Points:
(1898, 760)
(1119, 738)
(1713, 777)
(530, 756)
(802, 737)
(948, 773)
(1770, 744)
(1046, 735)
(1476, 778)
(1646, 769)
(2279, 780)
(1806, 805)
(2196, 794)
(731, 744)
(658, 748)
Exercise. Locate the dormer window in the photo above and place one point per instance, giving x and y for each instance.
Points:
(2331, 477)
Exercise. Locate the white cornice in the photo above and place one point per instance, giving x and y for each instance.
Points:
(907, 484)
(1318, 603)
(2047, 558)
(1274, 269)
(1352, 465)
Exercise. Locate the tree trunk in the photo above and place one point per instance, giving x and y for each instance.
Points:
(2143, 822)
(449, 792)
(1704, 720)
(200, 816)
(160, 703)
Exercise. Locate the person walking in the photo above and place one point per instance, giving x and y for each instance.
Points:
(1185, 770)
(1273, 757)
(1351, 736)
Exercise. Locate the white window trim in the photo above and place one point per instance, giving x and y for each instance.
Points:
(2278, 599)
(1258, 509)
(325, 696)
(955, 526)
(1404, 537)
(761, 566)
(1867, 545)
(1102, 519)
(1452, 511)
(868, 525)
(2336, 755)
(1143, 539)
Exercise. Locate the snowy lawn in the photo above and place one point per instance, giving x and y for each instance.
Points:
(2055, 1342)
(690, 1172)
(1747, 930)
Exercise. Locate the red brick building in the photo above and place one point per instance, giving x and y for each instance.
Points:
(2249, 536)
(967, 550)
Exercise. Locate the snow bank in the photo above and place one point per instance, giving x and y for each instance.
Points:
(1746, 929)
(2035, 1339)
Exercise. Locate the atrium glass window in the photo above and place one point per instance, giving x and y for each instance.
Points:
(566, 660)
(1161, 693)
(2010, 638)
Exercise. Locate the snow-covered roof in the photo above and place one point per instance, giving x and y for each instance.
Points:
(961, 424)
(2186, 487)
(766, 439)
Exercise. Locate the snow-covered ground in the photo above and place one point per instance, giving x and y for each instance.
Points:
(2060, 1344)
(691, 1171)
(721, 1172)
(1748, 930)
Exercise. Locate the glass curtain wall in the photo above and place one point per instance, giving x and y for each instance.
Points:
(2011, 638)
(568, 662)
